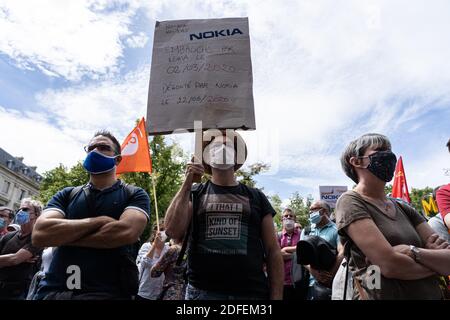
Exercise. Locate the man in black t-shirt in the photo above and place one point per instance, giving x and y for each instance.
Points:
(18, 257)
(232, 228)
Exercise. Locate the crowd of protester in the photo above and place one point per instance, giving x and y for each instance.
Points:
(218, 240)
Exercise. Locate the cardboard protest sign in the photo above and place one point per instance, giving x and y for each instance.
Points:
(330, 194)
(201, 70)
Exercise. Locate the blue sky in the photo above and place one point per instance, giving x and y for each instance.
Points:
(323, 75)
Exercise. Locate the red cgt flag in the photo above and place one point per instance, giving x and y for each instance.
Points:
(135, 151)
(400, 187)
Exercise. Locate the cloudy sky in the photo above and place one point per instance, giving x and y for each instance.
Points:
(324, 72)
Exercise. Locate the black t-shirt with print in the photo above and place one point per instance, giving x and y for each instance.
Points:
(11, 243)
(226, 252)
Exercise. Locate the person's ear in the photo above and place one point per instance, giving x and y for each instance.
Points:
(118, 159)
(355, 161)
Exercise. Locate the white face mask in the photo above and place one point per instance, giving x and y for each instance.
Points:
(217, 151)
(289, 224)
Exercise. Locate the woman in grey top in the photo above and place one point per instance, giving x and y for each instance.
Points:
(394, 253)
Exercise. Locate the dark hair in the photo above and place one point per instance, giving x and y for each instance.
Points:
(106, 133)
(448, 145)
(324, 205)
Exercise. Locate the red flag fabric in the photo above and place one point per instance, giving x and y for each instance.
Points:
(400, 187)
(135, 151)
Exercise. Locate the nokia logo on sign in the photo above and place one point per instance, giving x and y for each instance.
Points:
(214, 34)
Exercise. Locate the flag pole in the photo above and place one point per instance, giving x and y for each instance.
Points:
(154, 197)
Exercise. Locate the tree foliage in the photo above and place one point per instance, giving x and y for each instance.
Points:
(60, 178)
(300, 206)
(246, 176)
(297, 203)
(417, 195)
(276, 203)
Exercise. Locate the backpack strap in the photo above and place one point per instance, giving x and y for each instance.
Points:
(130, 189)
(194, 194)
(73, 193)
(307, 230)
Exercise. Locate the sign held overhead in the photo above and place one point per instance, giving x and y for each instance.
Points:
(201, 71)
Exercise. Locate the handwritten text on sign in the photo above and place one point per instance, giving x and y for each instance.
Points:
(201, 70)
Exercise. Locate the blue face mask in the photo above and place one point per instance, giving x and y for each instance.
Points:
(22, 217)
(2, 223)
(315, 217)
(97, 163)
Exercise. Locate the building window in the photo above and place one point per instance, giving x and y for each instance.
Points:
(10, 164)
(6, 186)
(22, 194)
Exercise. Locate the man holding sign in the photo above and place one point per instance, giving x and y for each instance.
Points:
(231, 234)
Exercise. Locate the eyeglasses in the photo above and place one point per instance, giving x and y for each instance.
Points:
(26, 210)
(288, 216)
(100, 147)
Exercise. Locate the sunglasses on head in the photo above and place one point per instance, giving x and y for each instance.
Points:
(99, 146)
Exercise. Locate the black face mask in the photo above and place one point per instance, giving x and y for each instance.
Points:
(382, 165)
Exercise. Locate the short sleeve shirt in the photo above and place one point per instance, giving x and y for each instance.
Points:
(11, 244)
(100, 268)
(443, 200)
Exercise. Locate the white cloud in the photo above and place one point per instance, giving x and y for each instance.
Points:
(428, 171)
(67, 38)
(137, 41)
(112, 104)
(324, 73)
(32, 136)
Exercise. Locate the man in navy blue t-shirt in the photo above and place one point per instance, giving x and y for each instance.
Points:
(233, 236)
(95, 229)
